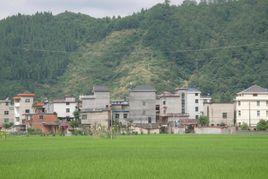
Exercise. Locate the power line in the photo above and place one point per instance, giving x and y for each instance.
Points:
(176, 51)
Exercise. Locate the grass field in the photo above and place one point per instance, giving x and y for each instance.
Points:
(186, 156)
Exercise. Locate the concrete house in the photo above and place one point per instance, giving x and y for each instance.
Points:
(64, 108)
(220, 113)
(6, 111)
(23, 106)
(252, 105)
(191, 102)
(170, 107)
(95, 108)
(120, 111)
(142, 105)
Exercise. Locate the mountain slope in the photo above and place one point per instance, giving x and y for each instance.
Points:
(220, 48)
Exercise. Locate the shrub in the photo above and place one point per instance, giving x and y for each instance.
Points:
(262, 125)
(203, 120)
(244, 126)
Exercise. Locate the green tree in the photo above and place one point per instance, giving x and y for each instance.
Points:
(262, 125)
(203, 120)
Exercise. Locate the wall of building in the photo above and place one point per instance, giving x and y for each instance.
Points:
(95, 118)
(142, 107)
(247, 109)
(5, 105)
(216, 113)
(172, 105)
(20, 107)
(61, 109)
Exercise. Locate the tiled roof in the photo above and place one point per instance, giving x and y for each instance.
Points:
(255, 89)
(100, 88)
(26, 95)
(144, 88)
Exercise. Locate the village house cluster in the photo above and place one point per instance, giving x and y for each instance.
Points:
(145, 110)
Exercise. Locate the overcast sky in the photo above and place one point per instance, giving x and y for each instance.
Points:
(96, 8)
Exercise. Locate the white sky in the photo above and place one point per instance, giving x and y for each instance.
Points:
(95, 8)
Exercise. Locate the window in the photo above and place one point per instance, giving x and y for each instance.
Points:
(196, 94)
(255, 94)
(27, 100)
(67, 110)
(258, 103)
(27, 111)
(6, 120)
(258, 113)
(143, 103)
(239, 103)
(67, 103)
(196, 117)
(239, 113)
(117, 116)
(224, 115)
(6, 112)
(41, 117)
(125, 116)
(143, 112)
(84, 117)
(149, 120)
(266, 113)
(196, 109)
(196, 101)
(7, 103)
(17, 119)
(164, 102)
(165, 111)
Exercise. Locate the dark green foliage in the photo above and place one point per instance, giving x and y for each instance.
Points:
(83, 51)
(244, 126)
(203, 121)
(262, 125)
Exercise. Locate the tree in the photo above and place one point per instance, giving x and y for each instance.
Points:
(262, 125)
(203, 121)
(7, 125)
(244, 126)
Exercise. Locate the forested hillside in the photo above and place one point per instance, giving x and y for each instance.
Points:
(220, 48)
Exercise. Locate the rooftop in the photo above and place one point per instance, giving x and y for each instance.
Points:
(144, 88)
(255, 89)
(100, 88)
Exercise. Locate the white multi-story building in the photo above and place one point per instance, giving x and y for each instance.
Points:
(64, 108)
(23, 107)
(191, 102)
(252, 105)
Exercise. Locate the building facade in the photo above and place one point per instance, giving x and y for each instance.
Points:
(220, 114)
(64, 108)
(191, 102)
(23, 107)
(120, 111)
(142, 104)
(6, 111)
(95, 108)
(251, 105)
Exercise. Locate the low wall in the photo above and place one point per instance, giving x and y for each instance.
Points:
(214, 130)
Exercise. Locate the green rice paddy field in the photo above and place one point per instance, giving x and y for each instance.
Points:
(155, 156)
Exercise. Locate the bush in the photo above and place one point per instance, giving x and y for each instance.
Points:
(262, 125)
(203, 120)
(32, 131)
(244, 126)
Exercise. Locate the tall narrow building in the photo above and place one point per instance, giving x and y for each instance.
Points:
(142, 105)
